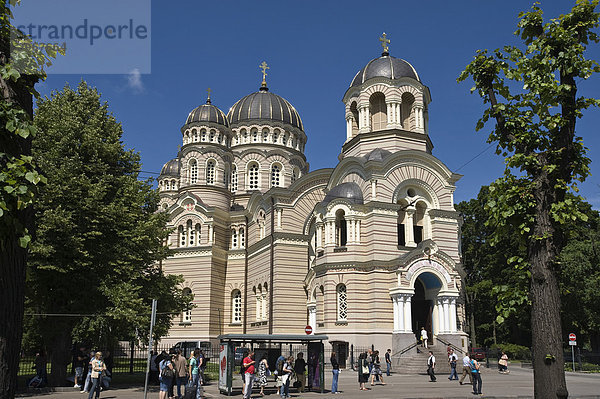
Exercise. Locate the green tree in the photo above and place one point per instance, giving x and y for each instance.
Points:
(99, 238)
(532, 97)
(21, 66)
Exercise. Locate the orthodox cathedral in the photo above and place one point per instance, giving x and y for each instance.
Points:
(366, 252)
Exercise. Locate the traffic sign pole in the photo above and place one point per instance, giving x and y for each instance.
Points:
(572, 343)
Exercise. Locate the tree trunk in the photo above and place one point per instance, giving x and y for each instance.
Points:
(12, 293)
(547, 348)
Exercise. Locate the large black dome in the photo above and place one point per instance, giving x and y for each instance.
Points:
(385, 66)
(207, 113)
(171, 168)
(264, 105)
(349, 191)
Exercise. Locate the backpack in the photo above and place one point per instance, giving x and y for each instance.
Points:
(279, 365)
(166, 371)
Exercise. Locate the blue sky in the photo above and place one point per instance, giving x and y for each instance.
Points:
(314, 49)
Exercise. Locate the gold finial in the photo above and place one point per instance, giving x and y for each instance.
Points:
(384, 43)
(208, 98)
(264, 68)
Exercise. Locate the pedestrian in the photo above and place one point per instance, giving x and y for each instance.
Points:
(107, 375)
(370, 360)
(248, 364)
(98, 367)
(476, 377)
(193, 374)
(167, 373)
(180, 366)
(174, 379)
(424, 337)
(88, 378)
(153, 368)
(300, 369)
(335, 369)
(431, 367)
(363, 371)
(201, 366)
(503, 363)
(376, 371)
(286, 376)
(79, 363)
(388, 361)
(263, 370)
(452, 360)
(40, 363)
(466, 370)
(279, 373)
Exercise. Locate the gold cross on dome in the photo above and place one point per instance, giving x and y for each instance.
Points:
(264, 68)
(208, 98)
(384, 42)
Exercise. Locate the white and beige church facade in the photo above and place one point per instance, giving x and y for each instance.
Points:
(366, 252)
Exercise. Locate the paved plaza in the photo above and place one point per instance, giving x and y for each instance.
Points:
(517, 384)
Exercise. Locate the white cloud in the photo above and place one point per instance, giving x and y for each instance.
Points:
(134, 81)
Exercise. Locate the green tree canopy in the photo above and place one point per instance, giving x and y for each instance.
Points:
(99, 238)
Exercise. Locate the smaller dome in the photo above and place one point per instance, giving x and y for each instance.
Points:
(349, 191)
(385, 66)
(207, 113)
(171, 168)
(377, 155)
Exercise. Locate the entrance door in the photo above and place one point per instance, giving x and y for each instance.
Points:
(421, 309)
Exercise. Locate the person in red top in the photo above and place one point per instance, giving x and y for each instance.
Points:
(248, 364)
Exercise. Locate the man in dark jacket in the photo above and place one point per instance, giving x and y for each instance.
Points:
(335, 368)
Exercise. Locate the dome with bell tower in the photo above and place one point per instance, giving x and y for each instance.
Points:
(386, 98)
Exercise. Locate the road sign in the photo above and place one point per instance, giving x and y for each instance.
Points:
(572, 337)
(573, 343)
(308, 330)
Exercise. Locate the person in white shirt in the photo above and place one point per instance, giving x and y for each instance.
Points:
(431, 367)
(424, 337)
(452, 359)
(466, 370)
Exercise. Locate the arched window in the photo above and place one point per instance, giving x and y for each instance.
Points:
(211, 137)
(210, 171)
(253, 176)
(242, 238)
(167, 185)
(236, 139)
(295, 173)
(265, 135)
(354, 111)
(234, 239)
(203, 133)
(341, 236)
(408, 120)
(195, 135)
(236, 307)
(173, 185)
(276, 136)
(419, 222)
(186, 316)
(342, 303)
(264, 302)
(400, 225)
(193, 171)
(276, 175)
(258, 312)
(285, 139)
(182, 236)
(254, 136)
(244, 134)
(191, 234)
(378, 112)
(234, 179)
(261, 221)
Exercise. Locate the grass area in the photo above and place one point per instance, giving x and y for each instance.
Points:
(587, 367)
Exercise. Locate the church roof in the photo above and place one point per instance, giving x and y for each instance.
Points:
(349, 191)
(264, 105)
(385, 66)
(377, 154)
(171, 168)
(207, 113)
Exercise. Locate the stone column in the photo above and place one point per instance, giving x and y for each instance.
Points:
(395, 303)
(264, 306)
(426, 226)
(348, 128)
(350, 230)
(318, 235)
(279, 214)
(409, 234)
(373, 190)
(401, 321)
(312, 316)
(408, 314)
(357, 232)
(453, 315)
(390, 115)
(446, 315)
(441, 318)
(210, 234)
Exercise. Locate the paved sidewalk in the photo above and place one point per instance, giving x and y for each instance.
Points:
(517, 384)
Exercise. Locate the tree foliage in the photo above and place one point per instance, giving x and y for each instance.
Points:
(532, 98)
(99, 238)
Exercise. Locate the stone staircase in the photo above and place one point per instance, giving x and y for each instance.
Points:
(415, 360)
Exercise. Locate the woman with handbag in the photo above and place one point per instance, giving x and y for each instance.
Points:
(98, 367)
(503, 363)
(363, 371)
(263, 370)
(167, 373)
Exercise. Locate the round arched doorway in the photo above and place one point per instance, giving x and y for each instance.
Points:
(427, 287)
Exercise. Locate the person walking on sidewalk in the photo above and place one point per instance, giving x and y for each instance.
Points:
(431, 367)
(476, 377)
(335, 369)
(452, 360)
(466, 370)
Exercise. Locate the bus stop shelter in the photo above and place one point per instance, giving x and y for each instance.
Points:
(272, 345)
